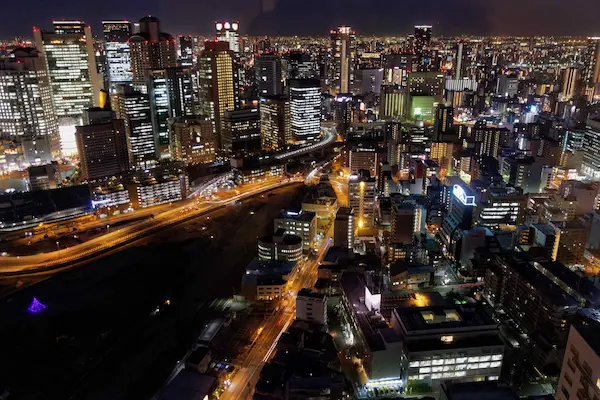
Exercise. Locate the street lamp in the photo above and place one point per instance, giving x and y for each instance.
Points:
(57, 245)
(107, 228)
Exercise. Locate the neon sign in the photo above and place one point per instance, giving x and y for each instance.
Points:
(461, 195)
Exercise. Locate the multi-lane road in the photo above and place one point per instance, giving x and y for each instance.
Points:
(245, 378)
(126, 236)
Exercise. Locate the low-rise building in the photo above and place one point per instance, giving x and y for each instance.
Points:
(300, 223)
(44, 177)
(152, 189)
(311, 307)
(266, 280)
(280, 246)
(440, 343)
(405, 276)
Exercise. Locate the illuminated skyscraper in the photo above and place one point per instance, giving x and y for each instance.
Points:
(102, 145)
(150, 49)
(422, 39)
(444, 118)
(116, 49)
(26, 111)
(343, 52)
(74, 80)
(133, 107)
(218, 82)
(185, 52)
(362, 198)
(170, 91)
(229, 32)
(591, 68)
(305, 109)
(301, 66)
(241, 132)
(570, 82)
(274, 122)
(193, 140)
(268, 75)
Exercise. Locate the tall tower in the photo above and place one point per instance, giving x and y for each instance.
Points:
(133, 107)
(305, 109)
(27, 114)
(150, 49)
(116, 49)
(343, 51)
(171, 92)
(218, 83)
(268, 75)
(75, 82)
(422, 40)
(229, 32)
(185, 53)
(591, 68)
(102, 145)
(570, 81)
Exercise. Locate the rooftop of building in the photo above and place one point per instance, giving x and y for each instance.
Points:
(189, 385)
(457, 317)
(521, 263)
(587, 324)
(546, 229)
(309, 293)
(453, 342)
(354, 286)
(280, 237)
(400, 266)
(479, 390)
(343, 213)
(303, 216)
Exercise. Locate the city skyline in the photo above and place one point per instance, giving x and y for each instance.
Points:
(278, 17)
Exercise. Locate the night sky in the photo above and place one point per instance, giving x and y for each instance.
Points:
(271, 17)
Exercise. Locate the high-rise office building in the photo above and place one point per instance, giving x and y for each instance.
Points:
(305, 109)
(102, 145)
(501, 205)
(274, 122)
(507, 85)
(393, 102)
(75, 82)
(591, 68)
(171, 96)
(185, 52)
(442, 153)
(407, 220)
(218, 83)
(362, 198)
(460, 216)
(240, 134)
(570, 83)
(344, 228)
(444, 119)
(343, 52)
(301, 66)
(229, 32)
(590, 166)
(133, 107)
(150, 49)
(26, 110)
(268, 75)
(365, 158)
(116, 49)
(422, 40)
(193, 140)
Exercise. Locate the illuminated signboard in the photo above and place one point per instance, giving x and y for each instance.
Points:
(461, 195)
